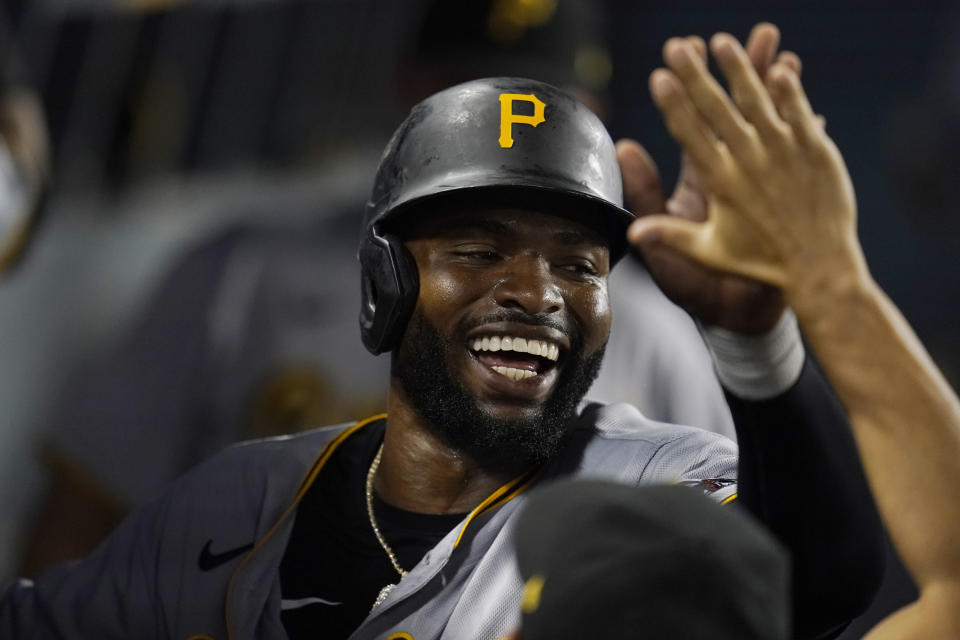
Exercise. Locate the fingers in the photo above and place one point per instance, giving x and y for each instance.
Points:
(792, 105)
(790, 60)
(762, 46)
(683, 236)
(689, 199)
(746, 87)
(699, 46)
(684, 121)
(698, 110)
(710, 99)
(642, 189)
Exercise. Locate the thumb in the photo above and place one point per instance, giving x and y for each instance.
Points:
(689, 199)
(683, 236)
(642, 188)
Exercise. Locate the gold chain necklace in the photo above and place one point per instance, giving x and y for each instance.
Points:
(376, 530)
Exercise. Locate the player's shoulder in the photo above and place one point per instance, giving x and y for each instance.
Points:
(248, 483)
(618, 441)
(318, 437)
(620, 422)
(292, 451)
(276, 461)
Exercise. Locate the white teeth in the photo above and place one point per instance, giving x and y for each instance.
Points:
(514, 374)
(540, 348)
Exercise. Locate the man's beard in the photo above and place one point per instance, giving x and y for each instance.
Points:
(495, 444)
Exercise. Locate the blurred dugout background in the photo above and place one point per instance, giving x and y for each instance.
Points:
(169, 118)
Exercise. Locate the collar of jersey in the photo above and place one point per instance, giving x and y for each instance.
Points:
(501, 496)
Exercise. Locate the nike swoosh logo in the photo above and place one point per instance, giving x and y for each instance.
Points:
(209, 561)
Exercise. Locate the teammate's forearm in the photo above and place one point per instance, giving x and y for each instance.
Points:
(905, 417)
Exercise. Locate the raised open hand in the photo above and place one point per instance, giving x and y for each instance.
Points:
(718, 298)
(780, 206)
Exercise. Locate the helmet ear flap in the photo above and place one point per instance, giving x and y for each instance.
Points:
(389, 287)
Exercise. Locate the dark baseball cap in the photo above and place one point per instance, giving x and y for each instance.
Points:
(602, 560)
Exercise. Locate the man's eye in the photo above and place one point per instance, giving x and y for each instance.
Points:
(581, 268)
(478, 255)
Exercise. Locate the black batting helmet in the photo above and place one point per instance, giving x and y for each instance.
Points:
(515, 140)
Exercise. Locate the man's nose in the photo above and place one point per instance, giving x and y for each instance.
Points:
(528, 284)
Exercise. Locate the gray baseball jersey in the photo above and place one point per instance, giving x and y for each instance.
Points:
(202, 561)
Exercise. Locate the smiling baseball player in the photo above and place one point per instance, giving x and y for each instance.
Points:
(495, 218)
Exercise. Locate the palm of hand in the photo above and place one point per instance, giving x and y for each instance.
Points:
(714, 297)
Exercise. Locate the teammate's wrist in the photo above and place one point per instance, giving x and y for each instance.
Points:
(816, 282)
(757, 367)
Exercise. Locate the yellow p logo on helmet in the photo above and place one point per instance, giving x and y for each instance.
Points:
(508, 118)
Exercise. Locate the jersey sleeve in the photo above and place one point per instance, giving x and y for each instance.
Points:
(697, 459)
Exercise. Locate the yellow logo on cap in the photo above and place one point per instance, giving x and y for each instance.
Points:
(508, 118)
